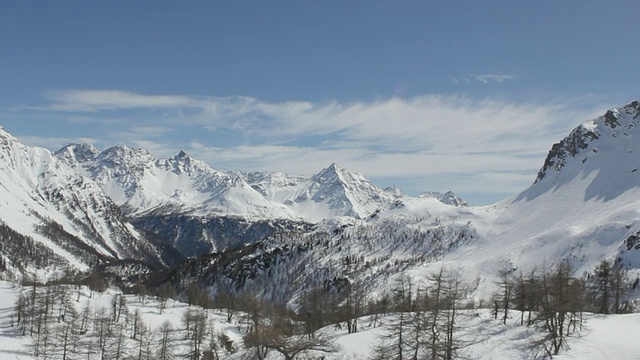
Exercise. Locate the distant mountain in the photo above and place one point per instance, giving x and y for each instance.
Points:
(448, 198)
(200, 209)
(52, 217)
(582, 208)
(334, 191)
(142, 185)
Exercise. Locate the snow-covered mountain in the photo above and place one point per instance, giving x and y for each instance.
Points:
(448, 198)
(142, 185)
(201, 209)
(332, 192)
(336, 226)
(585, 203)
(583, 207)
(50, 215)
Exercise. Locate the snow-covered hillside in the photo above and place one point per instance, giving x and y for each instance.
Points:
(60, 215)
(584, 205)
(604, 337)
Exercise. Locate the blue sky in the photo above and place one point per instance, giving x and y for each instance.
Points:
(460, 95)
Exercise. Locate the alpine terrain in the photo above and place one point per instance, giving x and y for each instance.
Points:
(335, 244)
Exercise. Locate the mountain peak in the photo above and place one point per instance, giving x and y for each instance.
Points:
(333, 168)
(5, 135)
(123, 153)
(613, 130)
(182, 154)
(394, 191)
(184, 163)
(79, 152)
(448, 198)
(331, 173)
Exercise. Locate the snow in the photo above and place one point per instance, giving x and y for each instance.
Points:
(12, 346)
(37, 187)
(137, 181)
(15, 346)
(581, 209)
(581, 213)
(604, 336)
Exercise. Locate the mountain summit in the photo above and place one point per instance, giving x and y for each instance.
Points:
(604, 150)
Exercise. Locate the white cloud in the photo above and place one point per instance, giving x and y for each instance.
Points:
(497, 144)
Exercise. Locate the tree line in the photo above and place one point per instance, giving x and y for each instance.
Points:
(62, 327)
(423, 320)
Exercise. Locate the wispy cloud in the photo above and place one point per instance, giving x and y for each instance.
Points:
(95, 100)
(496, 144)
(498, 78)
(483, 78)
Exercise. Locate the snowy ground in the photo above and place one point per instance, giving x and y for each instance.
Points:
(605, 337)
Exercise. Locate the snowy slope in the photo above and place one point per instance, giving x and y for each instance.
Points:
(584, 204)
(605, 337)
(46, 201)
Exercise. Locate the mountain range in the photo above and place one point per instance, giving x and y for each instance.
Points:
(80, 207)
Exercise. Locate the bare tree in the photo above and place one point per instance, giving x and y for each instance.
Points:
(433, 329)
(560, 309)
(136, 323)
(102, 325)
(227, 301)
(21, 309)
(194, 322)
(118, 306)
(144, 342)
(165, 347)
(165, 292)
(603, 286)
(505, 291)
(273, 328)
(402, 330)
(289, 346)
(620, 288)
(67, 333)
(119, 342)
